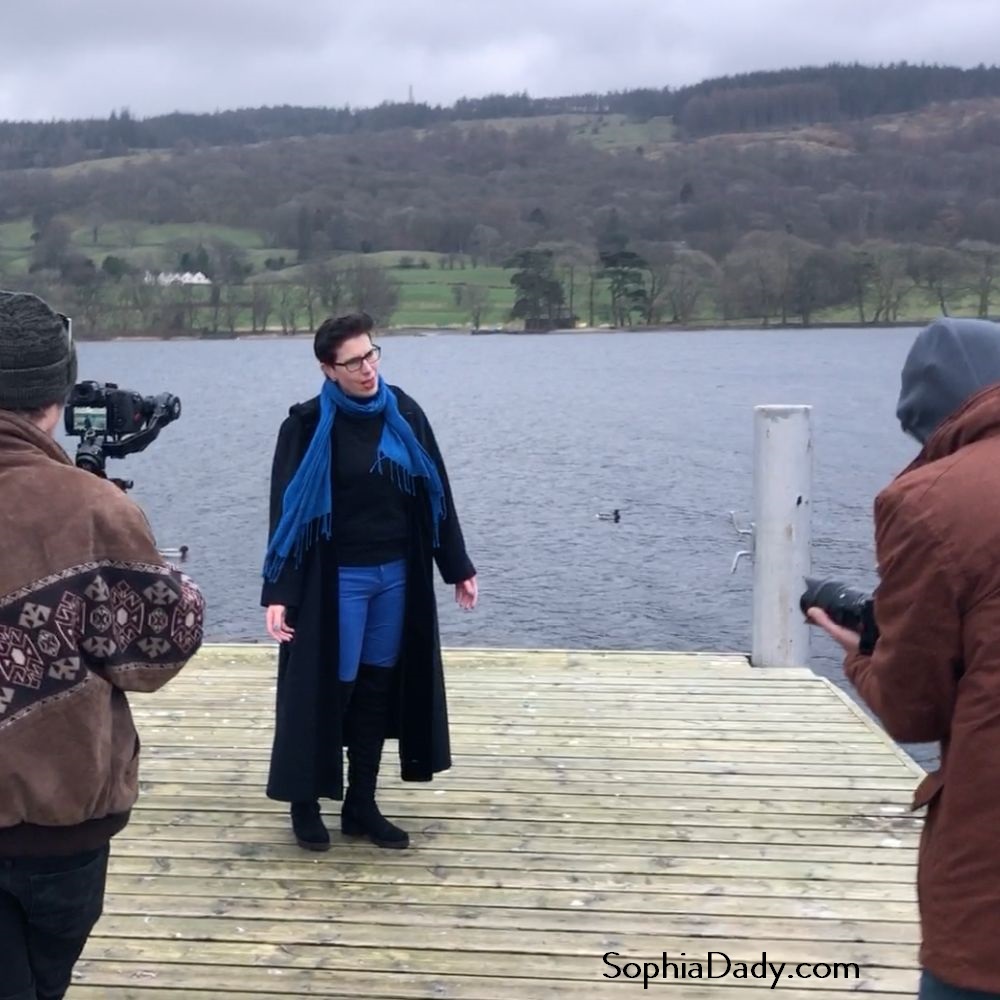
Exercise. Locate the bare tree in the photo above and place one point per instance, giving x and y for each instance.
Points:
(228, 261)
(755, 281)
(474, 299)
(885, 279)
(484, 244)
(938, 270)
(289, 302)
(130, 231)
(370, 289)
(142, 299)
(232, 306)
(326, 283)
(985, 258)
(118, 315)
(86, 300)
(52, 245)
(310, 300)
(689, 279)
(95, 221)
(261, 305)
(177, 307)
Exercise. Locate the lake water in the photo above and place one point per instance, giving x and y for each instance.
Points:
(540, 433)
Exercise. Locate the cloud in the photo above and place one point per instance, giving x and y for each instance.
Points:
(62, 58)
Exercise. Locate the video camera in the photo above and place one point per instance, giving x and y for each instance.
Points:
(113, 423)
(847, 606)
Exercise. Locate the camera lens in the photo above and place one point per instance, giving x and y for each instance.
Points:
(845, 605)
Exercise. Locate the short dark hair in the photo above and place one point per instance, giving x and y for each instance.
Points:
(333, 332)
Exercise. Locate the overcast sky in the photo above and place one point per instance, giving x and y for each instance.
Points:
(71, 58)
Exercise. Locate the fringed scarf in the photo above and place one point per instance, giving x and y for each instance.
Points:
(307, 506)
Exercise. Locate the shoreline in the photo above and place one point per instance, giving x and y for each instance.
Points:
(440, 331)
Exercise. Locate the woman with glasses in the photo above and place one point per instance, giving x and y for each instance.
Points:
(361, 511)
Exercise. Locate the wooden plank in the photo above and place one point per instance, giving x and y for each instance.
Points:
(461, 866)
(601, 874)
(627, 894)
(883, 964)
(519, 765)
(118, 981)
(442, 803)
(259, 729)
(552, 691)
(556, 695)
(569, 781)
(715, 867)
(680, 990)
(244, 652)
(564, 799)
(551, 701)
(708, 753)
(653, 839)
(352, 928)
(398, 906)
(555, 847)
(431, 815)
(487, 740)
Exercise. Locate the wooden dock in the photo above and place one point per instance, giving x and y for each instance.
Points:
(633, 803)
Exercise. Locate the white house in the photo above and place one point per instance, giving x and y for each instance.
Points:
(176, 278)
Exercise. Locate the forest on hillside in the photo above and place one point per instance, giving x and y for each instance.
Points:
(732, 218)
(742, 102)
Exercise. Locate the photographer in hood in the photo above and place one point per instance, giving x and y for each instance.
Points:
(88, 611)
(934, 671)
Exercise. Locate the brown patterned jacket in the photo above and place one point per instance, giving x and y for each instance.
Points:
(88, 610)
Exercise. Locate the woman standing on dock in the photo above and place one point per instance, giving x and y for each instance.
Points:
(361, 509)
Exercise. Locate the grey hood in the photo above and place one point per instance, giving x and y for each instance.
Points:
(949, 362)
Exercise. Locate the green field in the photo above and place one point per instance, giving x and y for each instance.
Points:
(427, 296)
(427, 281)
(156, 247)
(604, 131)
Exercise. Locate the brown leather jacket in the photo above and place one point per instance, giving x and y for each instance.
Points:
(935, 676)
(88, 610)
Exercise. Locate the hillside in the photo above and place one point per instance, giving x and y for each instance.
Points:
(875, 218)
(747, 101)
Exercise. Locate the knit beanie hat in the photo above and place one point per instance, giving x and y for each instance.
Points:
(37, 355)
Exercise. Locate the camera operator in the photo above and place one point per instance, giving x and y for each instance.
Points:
(88, 611)
(934, 671)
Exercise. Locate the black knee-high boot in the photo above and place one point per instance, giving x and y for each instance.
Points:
(308, 826)
(310, 831)
(365, 728)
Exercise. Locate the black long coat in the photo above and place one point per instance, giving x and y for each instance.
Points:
(307, 757)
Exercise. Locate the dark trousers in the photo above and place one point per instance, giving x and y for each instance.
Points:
(48, 907)
(932, 988)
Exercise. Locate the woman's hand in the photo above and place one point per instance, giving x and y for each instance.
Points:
(277, 628)
(467, 593)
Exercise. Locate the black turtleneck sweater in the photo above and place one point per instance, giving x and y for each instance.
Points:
(371, 513)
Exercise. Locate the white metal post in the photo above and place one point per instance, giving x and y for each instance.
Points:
(783, 467)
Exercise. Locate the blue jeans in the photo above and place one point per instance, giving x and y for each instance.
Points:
(932, 988)
(48, 907)
(372, 605)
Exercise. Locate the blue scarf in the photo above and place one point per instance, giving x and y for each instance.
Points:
(307, 506)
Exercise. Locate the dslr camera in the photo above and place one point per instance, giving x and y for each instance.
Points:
(847, 606)
(113, 422)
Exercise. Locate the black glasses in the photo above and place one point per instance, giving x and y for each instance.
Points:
(354, 364)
